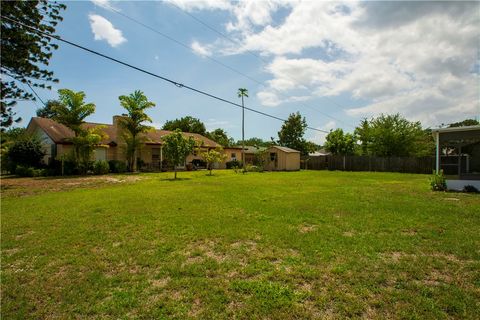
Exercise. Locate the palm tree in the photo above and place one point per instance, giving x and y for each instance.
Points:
(72, 110)
(133, 123)
(242, 92)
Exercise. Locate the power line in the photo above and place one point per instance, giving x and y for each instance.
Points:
(178, 84)
(216, 60)
(28, 84)
(234, 41)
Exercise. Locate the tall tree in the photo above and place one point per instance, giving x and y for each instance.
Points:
(243, 93)
(340, 143)
(176, 148)
(25, 52)
(72, 109)
(393, 135)
(186, 124)
(464, 123)
(71, 112)
(221, 137)
(133, 123)
(48, 111)
(292, 131)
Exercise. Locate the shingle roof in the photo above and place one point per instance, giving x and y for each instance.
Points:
(60, 134)
(285, 149)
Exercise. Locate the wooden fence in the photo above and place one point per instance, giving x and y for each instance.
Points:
(366, 163)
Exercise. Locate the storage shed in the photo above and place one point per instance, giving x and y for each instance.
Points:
(282, 159)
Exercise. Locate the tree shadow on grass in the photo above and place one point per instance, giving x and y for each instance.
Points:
(173, 179)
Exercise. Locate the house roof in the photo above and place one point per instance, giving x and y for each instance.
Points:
(285, 149)
(60, 134)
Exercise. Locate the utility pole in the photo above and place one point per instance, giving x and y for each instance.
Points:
(242, 92)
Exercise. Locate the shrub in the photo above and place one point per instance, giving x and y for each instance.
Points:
(438, 182)
(234, 163)
(117, 166)
(26, 152)
(24, 171)
(101, 167)
(252, 168)
(470, 188)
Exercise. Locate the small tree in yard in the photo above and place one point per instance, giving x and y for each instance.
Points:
(212, 156)
(176, 148)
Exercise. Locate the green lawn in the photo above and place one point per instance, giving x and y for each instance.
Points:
(310, 244)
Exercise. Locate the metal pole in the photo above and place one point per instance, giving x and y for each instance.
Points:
(437, 152)
(243, 135)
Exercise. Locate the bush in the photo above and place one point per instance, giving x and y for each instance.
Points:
(252, 168)
(26, 152)
(233, 164)
(24, 171)
(438, 182)
(117, 166)
(101, 167)
(470, 188)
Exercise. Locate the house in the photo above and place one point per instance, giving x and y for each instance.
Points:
(282, 159)
(55, 139)
(458, 155)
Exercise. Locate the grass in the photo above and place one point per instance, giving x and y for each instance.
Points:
(309, 244)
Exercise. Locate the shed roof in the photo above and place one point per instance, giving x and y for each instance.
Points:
(285, 149)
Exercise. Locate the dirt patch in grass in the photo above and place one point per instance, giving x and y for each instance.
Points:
(305, 228)
(19, 187)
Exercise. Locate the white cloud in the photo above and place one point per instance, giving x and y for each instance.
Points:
(189, 5)
(319, 137)
(200, 49)
(156, 57)
(416, 58)
(106, 4)
(104, 30)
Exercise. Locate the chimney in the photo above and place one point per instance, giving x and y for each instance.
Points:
(116, 121)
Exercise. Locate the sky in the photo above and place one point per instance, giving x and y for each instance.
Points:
(334, 62)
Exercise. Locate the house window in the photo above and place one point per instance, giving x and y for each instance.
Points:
(195, 152)
(273, 156)
(234, 156)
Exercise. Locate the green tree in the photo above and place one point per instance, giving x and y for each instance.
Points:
(243, 93)
(72, 109)
(71, 112)
(84, 145)
(213, 156)
(25, 52)
(340, 143)
(26, 151)
(176, 148)
(133, 123)
(464, 123)
(221, 137)
(48, 111)
(186, 124)
(292, 132)
(256, 142)
(392, 135)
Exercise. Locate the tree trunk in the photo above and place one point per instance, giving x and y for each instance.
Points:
(175, 170)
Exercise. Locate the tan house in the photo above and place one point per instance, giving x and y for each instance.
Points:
(282, 159)
(55, 138)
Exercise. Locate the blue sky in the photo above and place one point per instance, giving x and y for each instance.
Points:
(348, 60)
